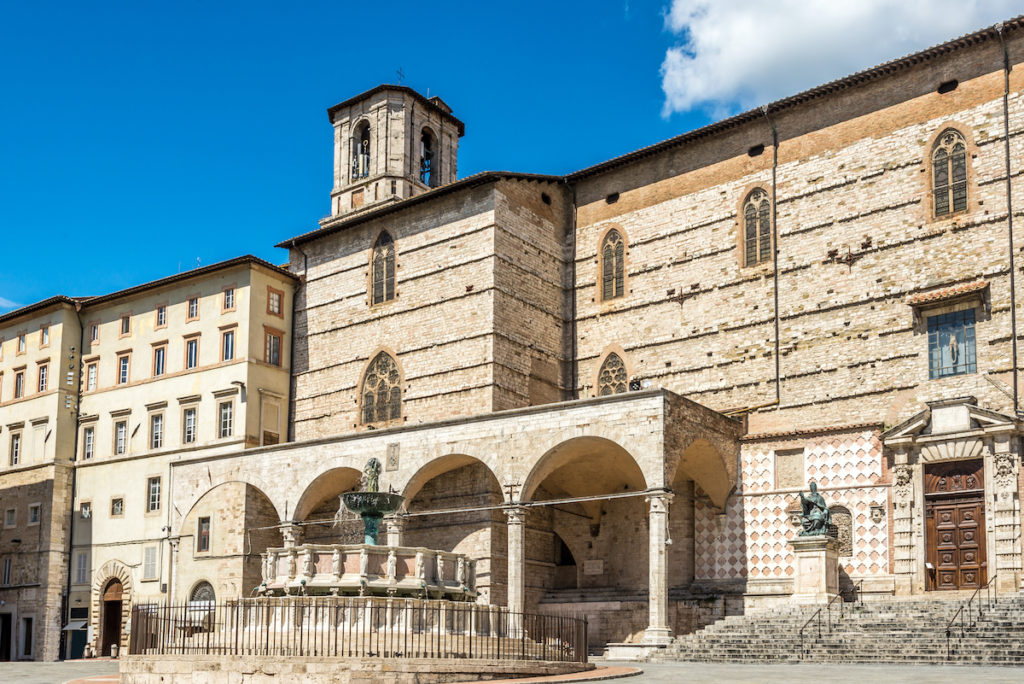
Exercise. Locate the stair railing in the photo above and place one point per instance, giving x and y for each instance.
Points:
(966, 615)
(817, 619)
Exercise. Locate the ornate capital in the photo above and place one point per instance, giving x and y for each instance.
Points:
(659, 502)
(902, 481)
(1006, 470)
(516, 515)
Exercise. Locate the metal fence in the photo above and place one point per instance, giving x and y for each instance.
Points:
(355, 627)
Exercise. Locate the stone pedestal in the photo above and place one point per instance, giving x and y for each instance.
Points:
(817, 569)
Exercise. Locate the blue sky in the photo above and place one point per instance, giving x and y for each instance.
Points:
(138, 139)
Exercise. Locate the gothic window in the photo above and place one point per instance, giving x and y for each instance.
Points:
(949, 173)
(951, 344)
(361, 152)
(428, 172)
(382, 391)
(611, 379)
(203, 593)
(382, 270)
(757, 228)
(613, 250)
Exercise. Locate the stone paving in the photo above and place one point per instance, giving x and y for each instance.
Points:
(56, 673)
(653, 673)
(721, 673)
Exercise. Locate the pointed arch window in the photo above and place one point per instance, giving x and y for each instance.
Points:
(949, 173)
(428, 172)
(361, 152)
(613, 250)
(382, 270)
(611, 379)
(382, 391)
(757, 227)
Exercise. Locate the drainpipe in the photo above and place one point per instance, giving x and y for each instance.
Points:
(775, 253)
(573, 385)
(77, 410)
(291, 356)
(1009, 209)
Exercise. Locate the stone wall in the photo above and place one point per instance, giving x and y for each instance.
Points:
(852, 180)
(327, 670)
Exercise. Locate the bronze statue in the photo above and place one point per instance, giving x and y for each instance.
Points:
(815, 516)
(372, 472)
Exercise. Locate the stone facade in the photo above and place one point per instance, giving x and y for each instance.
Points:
(456, 329)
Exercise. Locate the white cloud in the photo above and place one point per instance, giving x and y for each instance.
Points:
(8, 304)
(736, 54)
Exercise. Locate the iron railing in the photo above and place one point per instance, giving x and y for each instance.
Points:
(969, 613)
(826, 621)
(355, 627)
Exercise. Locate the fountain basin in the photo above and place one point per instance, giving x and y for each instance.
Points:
(379, 503)
(368, 570)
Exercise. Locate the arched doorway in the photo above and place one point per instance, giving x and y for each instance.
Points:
(112, 602)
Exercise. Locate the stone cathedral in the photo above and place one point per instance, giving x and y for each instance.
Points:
(608, 387)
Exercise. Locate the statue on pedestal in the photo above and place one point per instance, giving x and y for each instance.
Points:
(815, 517)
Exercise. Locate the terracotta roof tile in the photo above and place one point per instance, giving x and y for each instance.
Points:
(948, 293)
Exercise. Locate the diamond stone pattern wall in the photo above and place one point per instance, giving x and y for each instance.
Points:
(750, 540)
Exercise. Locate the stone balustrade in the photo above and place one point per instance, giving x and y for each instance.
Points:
(368, 570)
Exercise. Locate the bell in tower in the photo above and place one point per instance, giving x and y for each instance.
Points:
(391, 143)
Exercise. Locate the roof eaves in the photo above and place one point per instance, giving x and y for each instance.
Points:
(335, 224)
(839, 84)
(40, 305)
(402, 89)
(187, 275)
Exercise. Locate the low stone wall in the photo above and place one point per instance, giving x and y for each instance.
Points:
(190, 669)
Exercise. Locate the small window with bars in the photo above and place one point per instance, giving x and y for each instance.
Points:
(951, 344)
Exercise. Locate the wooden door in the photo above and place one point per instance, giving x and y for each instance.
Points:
(955, 529)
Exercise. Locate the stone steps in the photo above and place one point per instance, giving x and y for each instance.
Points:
(896, 631)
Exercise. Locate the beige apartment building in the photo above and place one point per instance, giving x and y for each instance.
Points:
(40, 348)
(608, 388)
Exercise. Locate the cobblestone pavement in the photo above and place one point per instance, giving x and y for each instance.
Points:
(55, 673)
(717, 673)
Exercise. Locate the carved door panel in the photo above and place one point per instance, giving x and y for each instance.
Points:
(956, 543)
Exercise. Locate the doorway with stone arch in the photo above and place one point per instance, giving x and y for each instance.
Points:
(112, 602)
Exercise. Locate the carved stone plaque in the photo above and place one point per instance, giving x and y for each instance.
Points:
(391, 459)
(789, 469)
(593, 567)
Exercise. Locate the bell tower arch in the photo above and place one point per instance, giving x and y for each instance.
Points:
(391, 143)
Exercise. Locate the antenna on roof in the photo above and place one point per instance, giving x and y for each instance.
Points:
(400, 75)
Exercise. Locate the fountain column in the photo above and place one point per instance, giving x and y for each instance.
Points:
(395, 527)
(291, 534)
(516, 558)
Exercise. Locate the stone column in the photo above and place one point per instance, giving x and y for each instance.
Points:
(903, 524)
(291, 534)
(1006, 509)
(658, 631)
(395, 527)
(516, 558)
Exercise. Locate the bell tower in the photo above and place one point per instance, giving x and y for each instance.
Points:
(391, 143)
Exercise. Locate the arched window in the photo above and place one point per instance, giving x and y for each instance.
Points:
(202, 593)
(382, 391)
(949, 173)
(382, 269)
(611, 379)
(757, 227)
(361, 151)
(428, 174)
(613, 250)
(843, 522)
